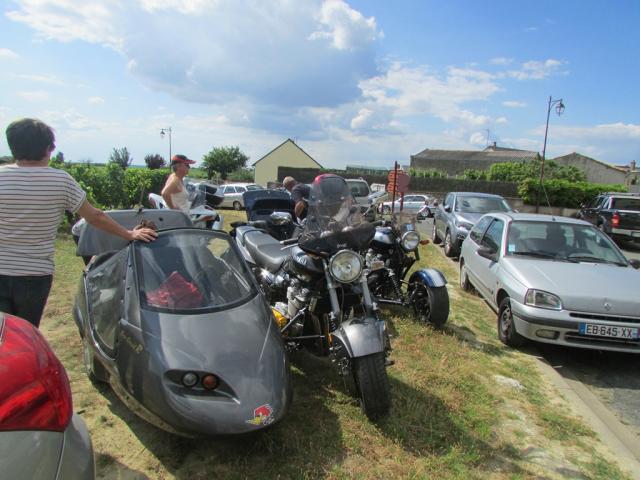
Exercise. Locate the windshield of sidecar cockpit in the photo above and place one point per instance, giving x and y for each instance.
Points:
(191, 270)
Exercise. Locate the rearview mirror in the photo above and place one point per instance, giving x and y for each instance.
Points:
(635, 263)
(488, 253)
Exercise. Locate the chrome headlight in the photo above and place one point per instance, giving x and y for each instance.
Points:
(410, 241)
(345, 266)
(542, 299)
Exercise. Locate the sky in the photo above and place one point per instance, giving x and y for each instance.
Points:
(351, 82)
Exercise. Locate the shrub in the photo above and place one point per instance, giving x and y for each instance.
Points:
(563, 193)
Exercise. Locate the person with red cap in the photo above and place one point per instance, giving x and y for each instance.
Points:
(174, 193)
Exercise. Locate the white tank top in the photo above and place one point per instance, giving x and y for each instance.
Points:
(181, 201)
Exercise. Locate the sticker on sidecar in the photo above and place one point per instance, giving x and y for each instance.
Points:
(263, 415)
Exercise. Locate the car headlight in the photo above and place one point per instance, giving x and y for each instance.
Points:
(542, 299)
(345, 266)
(410, 241)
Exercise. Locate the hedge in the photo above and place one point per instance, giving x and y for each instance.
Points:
(563, 193)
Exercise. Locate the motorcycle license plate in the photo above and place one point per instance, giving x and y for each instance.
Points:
(600, 330)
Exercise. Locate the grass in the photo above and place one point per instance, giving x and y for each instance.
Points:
(450, 418)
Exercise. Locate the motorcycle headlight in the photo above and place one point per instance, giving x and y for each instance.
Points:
(410, 241)
(542, 299)
(345, 266)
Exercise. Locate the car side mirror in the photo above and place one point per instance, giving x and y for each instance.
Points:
(635, 263)
(488, 253)
(447, 208)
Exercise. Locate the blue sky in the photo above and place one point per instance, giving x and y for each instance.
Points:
(359, 82)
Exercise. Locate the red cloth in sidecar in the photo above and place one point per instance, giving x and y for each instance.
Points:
(175, 292)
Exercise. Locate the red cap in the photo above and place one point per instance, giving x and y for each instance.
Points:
(182, 159)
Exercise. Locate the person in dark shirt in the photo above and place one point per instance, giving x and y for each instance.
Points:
(300, 194)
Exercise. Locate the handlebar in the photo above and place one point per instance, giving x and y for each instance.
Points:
(289, 241)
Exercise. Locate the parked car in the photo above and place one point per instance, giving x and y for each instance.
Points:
(413, 203)
(40, 435)
(233, 194)
(457, 214)
(553, 280)
(616, 214)
(361, 192)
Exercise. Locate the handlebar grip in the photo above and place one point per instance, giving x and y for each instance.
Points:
(289, 241)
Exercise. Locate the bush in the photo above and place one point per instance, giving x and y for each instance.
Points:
(563, 193)
(520, 171)
(474, 174)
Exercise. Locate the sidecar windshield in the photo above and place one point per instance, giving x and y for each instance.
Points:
(334, 220)
(191, 270)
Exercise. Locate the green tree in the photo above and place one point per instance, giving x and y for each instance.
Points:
(224, 160)
(57, 160)
(154, 161)
(121, 157)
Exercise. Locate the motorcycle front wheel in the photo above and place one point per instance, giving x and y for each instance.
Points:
(431, 304)
(370, 375)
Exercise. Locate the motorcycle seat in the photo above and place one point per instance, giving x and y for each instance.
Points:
(265, 250)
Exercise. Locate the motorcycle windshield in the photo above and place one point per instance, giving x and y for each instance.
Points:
(334, 220)
(191, 271)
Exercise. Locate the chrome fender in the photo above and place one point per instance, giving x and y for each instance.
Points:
(361, 336)
(429, 276)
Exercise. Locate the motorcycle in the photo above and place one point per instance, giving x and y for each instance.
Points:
(203, 198)
(317, 286)
(178, 328)
(389, 258)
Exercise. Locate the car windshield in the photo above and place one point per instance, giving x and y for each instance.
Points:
(191, 269)
(469, 204)
(622, 203)
(562, 241)
(359, 189)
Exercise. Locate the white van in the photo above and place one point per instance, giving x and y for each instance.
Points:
(361, 191)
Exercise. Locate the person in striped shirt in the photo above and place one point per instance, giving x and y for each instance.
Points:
(33, 199)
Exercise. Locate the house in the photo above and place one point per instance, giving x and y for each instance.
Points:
(595, 170)
(455, 162)
(287, 154)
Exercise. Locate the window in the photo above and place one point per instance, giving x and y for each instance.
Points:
(478, 230)
(359, 189)
(105, 292)
(228, 190)
(493, 236)
(448, 200)
(254, 187)
(241, 189)
(626, 203)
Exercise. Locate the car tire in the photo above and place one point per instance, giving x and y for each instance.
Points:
(465, 284)
(434, 234)
(451, 248)
(237, 206)
(506, 327)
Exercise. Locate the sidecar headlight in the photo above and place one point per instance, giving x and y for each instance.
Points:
(410, 241)
(345, 266)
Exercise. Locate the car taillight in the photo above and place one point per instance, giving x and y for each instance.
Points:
(615, 220)
(34, 387)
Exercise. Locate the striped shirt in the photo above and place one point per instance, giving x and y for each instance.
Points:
(32, 202)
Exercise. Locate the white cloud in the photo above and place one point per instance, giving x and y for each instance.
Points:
(95, 100)
(501, 61)
(501, 120)
(34, 95)
(6, 54)
(536, 70)
(347, 28)
(49, 79)
(514, 104)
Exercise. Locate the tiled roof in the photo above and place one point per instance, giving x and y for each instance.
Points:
(497, 154)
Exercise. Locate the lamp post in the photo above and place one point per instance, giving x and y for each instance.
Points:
(163, 132)
(559, 109)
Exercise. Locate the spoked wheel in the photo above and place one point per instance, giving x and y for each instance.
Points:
(430, 304)
(372, 383)
(434, 234)
(506, 327)
(94, 370)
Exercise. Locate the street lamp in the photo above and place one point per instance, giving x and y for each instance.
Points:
(559, 109)
(163, 132)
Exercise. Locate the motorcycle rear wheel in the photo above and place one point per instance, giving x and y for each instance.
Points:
(431, 304)
(371, 379)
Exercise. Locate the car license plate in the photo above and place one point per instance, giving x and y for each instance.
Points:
(608, 331)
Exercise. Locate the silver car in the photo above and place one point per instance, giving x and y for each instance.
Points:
(233, 194)
(412, 203)
(40, 436)
(553, 280)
